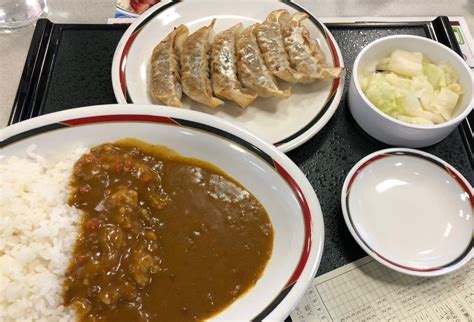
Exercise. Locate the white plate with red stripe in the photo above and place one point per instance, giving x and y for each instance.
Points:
(411, 211)
(266, 172)
(285, 123)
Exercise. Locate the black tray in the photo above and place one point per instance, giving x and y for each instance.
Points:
(68, 66)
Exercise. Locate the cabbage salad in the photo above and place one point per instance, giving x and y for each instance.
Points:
(409, 87)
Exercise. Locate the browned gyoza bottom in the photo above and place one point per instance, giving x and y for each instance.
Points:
(163, 237)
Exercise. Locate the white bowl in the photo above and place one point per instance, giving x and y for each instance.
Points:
(411, 211)
(260, 167)
(388, 129)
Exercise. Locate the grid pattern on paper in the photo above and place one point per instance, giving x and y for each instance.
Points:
(372, 292)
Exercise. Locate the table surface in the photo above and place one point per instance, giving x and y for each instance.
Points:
(15, 46)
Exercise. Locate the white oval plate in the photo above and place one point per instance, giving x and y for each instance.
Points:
(285, 123)
(265, 171)
(411, 211)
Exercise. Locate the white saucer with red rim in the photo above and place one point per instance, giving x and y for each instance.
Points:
(411, 211)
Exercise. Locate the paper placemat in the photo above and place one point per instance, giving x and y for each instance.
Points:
(368, 291)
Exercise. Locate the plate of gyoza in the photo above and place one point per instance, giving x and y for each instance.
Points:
(270, 66)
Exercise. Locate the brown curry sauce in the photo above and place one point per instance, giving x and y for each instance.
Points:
(163, 237)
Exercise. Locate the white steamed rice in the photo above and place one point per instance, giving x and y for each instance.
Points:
(37, 235)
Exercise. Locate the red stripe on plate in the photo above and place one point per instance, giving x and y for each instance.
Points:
(335, 56)
(307, 223)
(337, 63)
(335, 86)
(120, 118)
(463, 185)
(123, 62)
(362, 166)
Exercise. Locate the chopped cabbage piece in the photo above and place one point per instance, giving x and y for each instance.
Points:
(445, 102)
(415, 120)
(398, 81)
(381, 93)
(434, 74)
(450, 74)
(424, 91)
(455, 88)
(409, 87)
(406, 63)
(408, 103)
(383, 64)
(431, 116)
(364, 82)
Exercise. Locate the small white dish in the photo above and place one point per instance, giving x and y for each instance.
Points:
(388, 129)
(411, 211)
(285, 123)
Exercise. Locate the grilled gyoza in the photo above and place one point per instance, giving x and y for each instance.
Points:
(165, 86)
(225, 83)
(195, 67)
(270, 40)
(304, 52)
(253, 72)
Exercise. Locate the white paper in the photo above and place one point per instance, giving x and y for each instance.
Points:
(368, 291)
